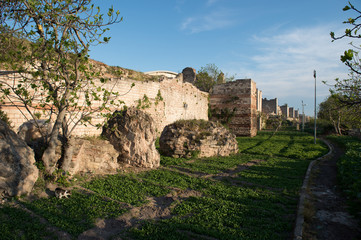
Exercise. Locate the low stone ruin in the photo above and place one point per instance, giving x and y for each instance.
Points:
(18, 172)
(95, 156)
(132, 132)
(187, 138)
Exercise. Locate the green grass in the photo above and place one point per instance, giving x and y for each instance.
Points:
(284, 144)
(215, 164)
(259, 202)
(349, 171)
(125, 188)
(18, 224)
(285, 174)
(76, 214)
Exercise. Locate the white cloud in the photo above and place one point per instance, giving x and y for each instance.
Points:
(215, 20)
(282, 65)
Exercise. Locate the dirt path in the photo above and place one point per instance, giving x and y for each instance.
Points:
(326, 215)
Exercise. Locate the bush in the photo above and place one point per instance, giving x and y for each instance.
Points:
(4, 117)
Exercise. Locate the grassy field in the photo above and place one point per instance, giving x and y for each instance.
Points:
(250, 195)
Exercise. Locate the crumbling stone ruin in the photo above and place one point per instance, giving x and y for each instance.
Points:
(132, 133)
(189, 75)
(95, 156)
(285, 110)
(187, 138)
(270, 106)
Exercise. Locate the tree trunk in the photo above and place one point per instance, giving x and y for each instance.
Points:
(339, 124)
(49, 156)
(68, 149)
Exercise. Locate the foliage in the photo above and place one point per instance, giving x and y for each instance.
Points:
(4, 117)
(285, 144)
(125, 189)
(76, 214)
(209, 76)
(349, 90)
(224, 115)
(193, 124)
(349, 171)
(158, 98)
(144, 103)
(342, 117)
(18, 224)
(51, 63)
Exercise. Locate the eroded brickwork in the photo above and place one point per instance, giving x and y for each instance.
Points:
(238, 98)
(270, 106)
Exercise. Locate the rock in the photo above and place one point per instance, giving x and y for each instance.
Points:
(31, 133)
(187, 138)
(96, 156)
(133, 134)
(18, 172)
(34, 136)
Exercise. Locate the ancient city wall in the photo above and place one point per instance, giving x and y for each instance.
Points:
(238, 100)
(285, 110)
(291, 112)
(270, 106)
(167, 101)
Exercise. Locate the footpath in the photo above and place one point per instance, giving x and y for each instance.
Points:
(323, 211)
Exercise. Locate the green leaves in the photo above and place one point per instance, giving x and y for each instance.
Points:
(347, 56)
(346, 8)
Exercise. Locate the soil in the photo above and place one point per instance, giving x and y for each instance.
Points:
(326, 213)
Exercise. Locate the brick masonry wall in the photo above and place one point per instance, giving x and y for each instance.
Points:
(180, 101)
(285, 110)
(240, 96)
(270, 106)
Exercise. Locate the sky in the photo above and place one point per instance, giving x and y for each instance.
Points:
(278, 43)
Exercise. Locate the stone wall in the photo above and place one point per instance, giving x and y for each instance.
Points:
(259, 100)
(285, 110)
(291, 112)
(270, 106)
(238, 98)
(297, 114)
(167, 100)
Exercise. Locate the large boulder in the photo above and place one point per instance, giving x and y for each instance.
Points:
(33, 131)
(133, 134)
(96, 156)
(18, 172)
(187, 138)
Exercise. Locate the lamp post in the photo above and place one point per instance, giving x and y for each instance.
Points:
(314, 75)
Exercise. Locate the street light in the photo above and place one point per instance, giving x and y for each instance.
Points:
(314, 75)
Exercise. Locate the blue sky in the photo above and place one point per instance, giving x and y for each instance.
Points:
(276, 43)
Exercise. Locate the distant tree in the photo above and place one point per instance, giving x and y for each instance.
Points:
(46, 42)
(340, 116)
(349, 90)
(209, 76)
(331, 110)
